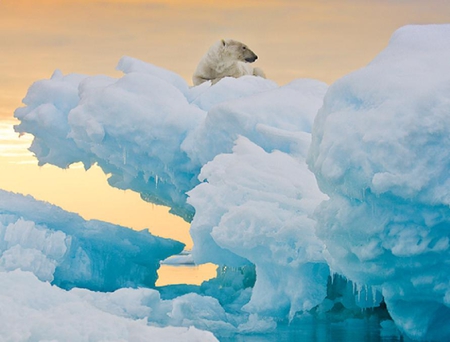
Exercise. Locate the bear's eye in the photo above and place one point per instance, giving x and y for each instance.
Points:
(244, 48)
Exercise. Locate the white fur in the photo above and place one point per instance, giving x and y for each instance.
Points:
(226, 58)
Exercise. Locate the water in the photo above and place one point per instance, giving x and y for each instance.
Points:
(351, 330)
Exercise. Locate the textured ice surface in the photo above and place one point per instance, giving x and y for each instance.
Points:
(154, 136)
(256, 205)
(37, 311)
(232, 158)
(381, 151)
(64, 249)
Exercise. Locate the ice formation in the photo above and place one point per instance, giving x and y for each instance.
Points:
(33, 310)
(64, 249)
(45, 251)
(256, 205)
(314, 201)
(381, 151)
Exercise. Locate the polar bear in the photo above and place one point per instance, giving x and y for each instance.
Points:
(226, 58)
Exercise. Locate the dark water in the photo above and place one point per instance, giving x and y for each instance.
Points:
(353, 330)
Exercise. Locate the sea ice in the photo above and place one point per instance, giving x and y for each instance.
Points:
(381, 151)
(64, 249)
(292, 182)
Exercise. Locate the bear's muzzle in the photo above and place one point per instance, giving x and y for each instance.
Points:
(251, 59)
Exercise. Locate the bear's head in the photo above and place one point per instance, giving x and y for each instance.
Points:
(238, 51)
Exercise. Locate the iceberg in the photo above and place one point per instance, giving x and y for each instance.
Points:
(380, 151)
(64, 249)
(58, 272)
(319, 204)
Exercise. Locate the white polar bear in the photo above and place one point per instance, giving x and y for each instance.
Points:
(226, 58)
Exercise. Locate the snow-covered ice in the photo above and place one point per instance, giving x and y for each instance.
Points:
(64, 249)
(256, 205)
(46, 251)
(316, 202)
(33, 310)
(381, 151)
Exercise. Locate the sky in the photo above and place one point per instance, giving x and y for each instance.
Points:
(323, 39)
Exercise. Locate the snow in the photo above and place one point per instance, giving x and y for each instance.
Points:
(46, 251)
(380, 150)
(256, 205)
(64, 249)
(316, 202)
(37, 311)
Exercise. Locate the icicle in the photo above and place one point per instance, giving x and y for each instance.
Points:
(374, 297)
(156, 181)
(124, 155)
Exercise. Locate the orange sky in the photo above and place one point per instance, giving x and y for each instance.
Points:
(293, 38)
(322, 39)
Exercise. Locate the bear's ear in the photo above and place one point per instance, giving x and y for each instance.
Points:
(223, 42)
